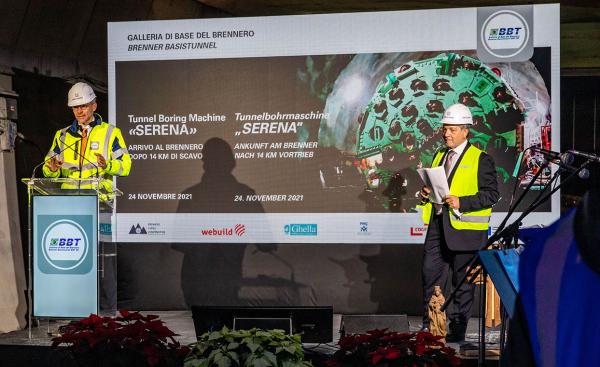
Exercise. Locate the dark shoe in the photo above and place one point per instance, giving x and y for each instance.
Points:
(456, 334)
(455, 338)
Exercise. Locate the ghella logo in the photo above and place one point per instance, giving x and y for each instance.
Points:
(237, 230)
(300, 229)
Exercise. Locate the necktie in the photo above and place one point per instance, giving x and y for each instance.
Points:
(84, 139)
(449, 160)
(447, 169)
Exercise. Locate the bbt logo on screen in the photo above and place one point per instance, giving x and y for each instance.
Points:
(505, 33)
(64, 245)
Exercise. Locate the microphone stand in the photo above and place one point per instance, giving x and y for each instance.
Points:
(509, 233)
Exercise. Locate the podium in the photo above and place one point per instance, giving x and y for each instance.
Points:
(503, 267)
(70, 224)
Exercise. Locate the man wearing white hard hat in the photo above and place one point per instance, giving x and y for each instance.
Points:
(89, 147)
(459, 226)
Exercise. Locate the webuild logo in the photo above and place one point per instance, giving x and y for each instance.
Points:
(298, 229)
(505, 33)
(65, 244)
(237, 230)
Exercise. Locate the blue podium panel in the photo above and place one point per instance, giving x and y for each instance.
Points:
(503, 267)
(65, 247)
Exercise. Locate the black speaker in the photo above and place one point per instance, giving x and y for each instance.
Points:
(356, 324)
(265, 323)
(315, 323)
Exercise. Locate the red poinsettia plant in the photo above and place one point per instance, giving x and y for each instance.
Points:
(130, 339)
(392, 349)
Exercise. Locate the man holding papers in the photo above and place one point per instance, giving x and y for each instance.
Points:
(458, 218)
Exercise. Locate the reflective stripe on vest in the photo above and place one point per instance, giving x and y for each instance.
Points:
(107, 137)
(61, 144)
(464, 183)
(99, 138)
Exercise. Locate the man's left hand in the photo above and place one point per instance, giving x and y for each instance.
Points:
(101, 161)
(452, 201)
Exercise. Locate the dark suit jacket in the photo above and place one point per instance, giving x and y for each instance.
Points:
(488, 195)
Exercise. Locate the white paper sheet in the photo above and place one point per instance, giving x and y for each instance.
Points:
(435, 178)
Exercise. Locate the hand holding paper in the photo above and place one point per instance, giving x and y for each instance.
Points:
(435, 179)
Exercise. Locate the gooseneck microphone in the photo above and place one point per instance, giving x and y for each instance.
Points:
(71, 147)
(78, 153)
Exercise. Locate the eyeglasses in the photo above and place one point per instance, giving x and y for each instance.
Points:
(82, 106)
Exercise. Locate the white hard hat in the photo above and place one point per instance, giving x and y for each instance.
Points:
(79, 94)
(457, 114)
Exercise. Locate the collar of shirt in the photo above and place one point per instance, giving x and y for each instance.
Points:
(458, 150)
(87, 128)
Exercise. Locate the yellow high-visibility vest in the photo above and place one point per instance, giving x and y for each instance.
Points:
(104, 139)
(464, 183)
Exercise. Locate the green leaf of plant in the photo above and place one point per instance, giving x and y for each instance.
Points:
(261, 362)
(224, 362)
(233, 345)
(192, 363)
(290, 349)
(271, 358)
(253, 346)
(215, 354)
(214, 335)
(262, 333)
(234, 357)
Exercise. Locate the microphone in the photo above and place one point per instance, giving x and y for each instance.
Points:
(553, 156)
(82, 155)
(70, 146)
(590, 156)
(563, 161)
(55, 155)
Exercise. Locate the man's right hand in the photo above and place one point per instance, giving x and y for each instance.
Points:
(54, 164)
(425, 191)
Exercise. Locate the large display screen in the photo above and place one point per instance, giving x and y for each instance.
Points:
(310, 129)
